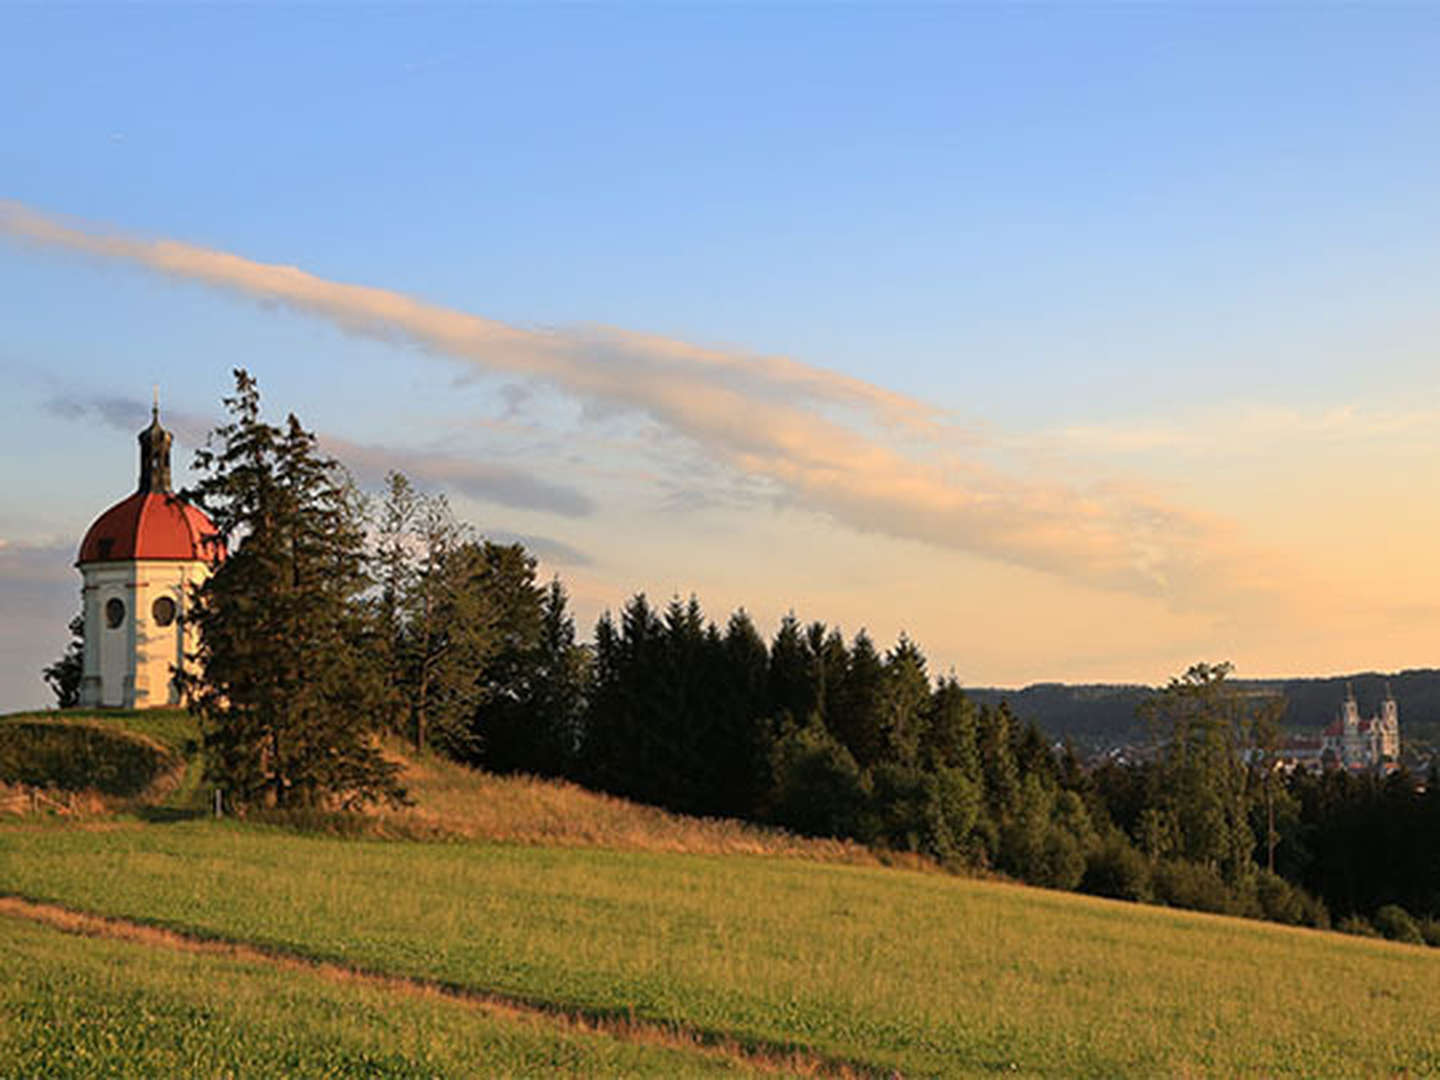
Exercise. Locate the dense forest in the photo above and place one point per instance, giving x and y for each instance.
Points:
(336, 617)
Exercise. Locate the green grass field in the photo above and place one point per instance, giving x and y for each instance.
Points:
(927, 974)
(81, 1007)
(564, 902)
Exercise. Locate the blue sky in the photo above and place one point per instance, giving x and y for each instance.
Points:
(1159, 277)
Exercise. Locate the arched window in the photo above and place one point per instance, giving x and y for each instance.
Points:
(163, 611)
(114, 612)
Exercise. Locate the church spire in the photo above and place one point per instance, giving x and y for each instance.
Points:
(155, 453)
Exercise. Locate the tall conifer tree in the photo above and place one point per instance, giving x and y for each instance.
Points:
(284, 689)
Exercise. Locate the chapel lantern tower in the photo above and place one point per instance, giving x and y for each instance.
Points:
(155, 455)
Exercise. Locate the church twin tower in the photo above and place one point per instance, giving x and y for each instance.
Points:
(138, 561)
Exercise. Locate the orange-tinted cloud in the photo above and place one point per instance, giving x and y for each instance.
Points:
(821, 440)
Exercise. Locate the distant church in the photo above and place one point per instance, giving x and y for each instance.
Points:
(138, 561)
(1368, 745)
(1351, 742)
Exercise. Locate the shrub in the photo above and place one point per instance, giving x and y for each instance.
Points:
(1280, 901)
(1397, 924)
(933, 813)
(1046, 840)
(1357, 925)
(1430, 931)
(1184, 884)
(896, 816)
(954, 813)
(1117, 870)
(818, 787)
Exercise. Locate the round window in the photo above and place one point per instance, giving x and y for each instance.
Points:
(163, 611)
(114, 612)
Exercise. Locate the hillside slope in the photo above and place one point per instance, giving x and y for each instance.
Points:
(152, 759)
(885, 969)
(569, 904)
(122, 756)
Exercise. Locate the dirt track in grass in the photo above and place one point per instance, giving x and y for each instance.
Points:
(774, 1059)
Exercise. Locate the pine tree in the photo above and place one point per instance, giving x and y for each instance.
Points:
(561, 687)
(620, 747)
(905, 701)
(505, 724)
(857, 714)
(951, 731)
(285, 688)
(793, 695)
(740, 759)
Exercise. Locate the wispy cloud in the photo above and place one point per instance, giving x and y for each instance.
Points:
(44, 563)
(823, 441)
(547, 548)
(504, 485)
(1244, 427)
(39, 592)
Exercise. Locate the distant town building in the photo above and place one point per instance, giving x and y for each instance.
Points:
(1364, 745)
(138, 560)
(1351, 742)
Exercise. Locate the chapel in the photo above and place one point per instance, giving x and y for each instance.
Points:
(138, 561)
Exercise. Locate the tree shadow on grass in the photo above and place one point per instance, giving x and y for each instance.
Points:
(169, 815)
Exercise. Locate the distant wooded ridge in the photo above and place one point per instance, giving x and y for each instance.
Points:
(1103, 714)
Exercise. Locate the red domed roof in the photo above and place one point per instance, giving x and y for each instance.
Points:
(150, 525)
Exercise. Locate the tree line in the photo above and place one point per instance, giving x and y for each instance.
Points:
(335, 619)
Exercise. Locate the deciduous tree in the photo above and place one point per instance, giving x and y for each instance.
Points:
(65, 674)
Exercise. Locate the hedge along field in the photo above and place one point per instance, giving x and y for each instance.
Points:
(919, 972)
(83, 1007)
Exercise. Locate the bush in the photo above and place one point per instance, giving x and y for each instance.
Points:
(1430, 931)
(1279, 901)
(1047, 839)
(932, 813)
(955, 812)
(1117, 870)
(896, 816)
(1357, 925)
(1062, 860)
(818, 787)
(1397, 924)
(1184, 884)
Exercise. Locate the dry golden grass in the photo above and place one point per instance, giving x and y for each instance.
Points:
(20, 800)
(462, 802)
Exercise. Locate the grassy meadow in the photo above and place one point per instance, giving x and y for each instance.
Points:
(567, 903)
(74, 1007)
(891, 969)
